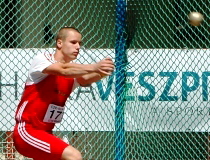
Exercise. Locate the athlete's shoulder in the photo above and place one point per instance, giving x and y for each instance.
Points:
(41, 61)
(44, 56)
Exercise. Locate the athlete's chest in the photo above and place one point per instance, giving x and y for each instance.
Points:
(63, 86)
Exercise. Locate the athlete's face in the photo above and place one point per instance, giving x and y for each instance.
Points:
(71, 44)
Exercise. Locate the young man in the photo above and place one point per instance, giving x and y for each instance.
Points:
(51, 79)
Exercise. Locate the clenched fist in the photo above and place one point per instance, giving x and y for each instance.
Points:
(105, 67)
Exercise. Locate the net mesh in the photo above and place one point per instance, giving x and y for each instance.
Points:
(165, 108)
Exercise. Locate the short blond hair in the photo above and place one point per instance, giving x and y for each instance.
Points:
(62, 32)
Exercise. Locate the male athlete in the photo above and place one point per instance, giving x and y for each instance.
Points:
(51, 79)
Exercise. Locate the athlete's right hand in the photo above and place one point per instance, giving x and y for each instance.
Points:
(105, 66)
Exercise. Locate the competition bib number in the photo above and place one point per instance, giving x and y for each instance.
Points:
(54, 114)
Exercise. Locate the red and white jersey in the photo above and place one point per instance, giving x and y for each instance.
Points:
(43, 100)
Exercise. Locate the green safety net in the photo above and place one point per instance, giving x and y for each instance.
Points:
(166, 104)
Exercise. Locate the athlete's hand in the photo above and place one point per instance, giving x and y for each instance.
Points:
(105, 67)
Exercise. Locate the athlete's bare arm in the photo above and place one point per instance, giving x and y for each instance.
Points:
(74, 70)
(89, 78)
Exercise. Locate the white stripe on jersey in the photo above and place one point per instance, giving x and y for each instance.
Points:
(26, 136)
(32, 140)
(20, 111)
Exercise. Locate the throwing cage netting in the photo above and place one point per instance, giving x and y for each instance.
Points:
(154, 106)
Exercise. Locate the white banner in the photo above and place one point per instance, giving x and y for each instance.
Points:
(168, 90)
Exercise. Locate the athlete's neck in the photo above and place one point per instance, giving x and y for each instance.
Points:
(61, 58)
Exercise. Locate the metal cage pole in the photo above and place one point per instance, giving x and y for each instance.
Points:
(120, 64)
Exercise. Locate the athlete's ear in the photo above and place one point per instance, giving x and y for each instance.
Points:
(59, 43)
